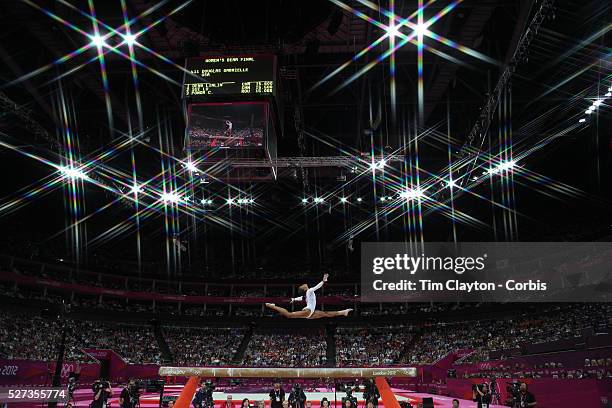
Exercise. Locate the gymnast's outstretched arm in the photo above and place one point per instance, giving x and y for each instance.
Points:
(320, 284)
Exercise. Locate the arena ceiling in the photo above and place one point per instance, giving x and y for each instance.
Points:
(344, 94)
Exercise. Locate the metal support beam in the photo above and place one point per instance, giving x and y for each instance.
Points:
(470, 150)
(300, 162)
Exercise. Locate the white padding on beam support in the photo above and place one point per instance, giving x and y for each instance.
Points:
(266, 372)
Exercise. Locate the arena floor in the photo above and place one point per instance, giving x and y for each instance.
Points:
(83, 398)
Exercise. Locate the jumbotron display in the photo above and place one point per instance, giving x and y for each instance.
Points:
(236, 125)
(230, 75)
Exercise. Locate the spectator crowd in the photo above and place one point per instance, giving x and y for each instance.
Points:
(287, 350)
(371, 346)
(34, 337)
(203, 346)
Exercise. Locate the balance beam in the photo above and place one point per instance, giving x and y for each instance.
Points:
(267, 372)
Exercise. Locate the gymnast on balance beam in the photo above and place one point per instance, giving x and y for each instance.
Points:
(309, 312)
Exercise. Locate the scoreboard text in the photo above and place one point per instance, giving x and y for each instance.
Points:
(230, 75)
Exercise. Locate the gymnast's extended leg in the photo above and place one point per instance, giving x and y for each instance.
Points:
(301, 314)
(319, 314)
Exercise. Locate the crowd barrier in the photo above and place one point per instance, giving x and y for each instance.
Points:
(549, 392)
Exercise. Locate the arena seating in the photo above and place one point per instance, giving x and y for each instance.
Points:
(203, 346)
(291, 349)
(552, 324)
(370, 346)
(23, 336)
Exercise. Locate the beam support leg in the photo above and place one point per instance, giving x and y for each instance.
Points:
(186, 395)
(386, 394)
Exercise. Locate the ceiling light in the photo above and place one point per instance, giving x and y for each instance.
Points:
(393, 30)
(170, 198)
(191, 166)
(129, 39)
(72, 173)
(411, 194)
(420, 29)
(97, 40)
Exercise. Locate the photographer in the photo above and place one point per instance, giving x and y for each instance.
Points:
(297, 397)
(277, 396)
(370, 393)
(102, 392)
(525, 398)
(204, 396)
(73, 379)
(349, 401)
(481, 395)
(130, 395)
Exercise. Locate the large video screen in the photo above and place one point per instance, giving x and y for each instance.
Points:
(237, 125)
(230, 75)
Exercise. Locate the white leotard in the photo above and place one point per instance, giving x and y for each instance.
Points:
(311, 298)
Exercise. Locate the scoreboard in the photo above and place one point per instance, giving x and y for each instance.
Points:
(230, 75)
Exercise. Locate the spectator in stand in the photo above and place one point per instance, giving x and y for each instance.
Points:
(370, 346)
(203, 346)
(505, 334)
(265, 350)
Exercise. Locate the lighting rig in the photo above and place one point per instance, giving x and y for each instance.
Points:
(470, 151)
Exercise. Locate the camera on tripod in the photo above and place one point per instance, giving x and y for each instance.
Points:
(297, 398)
(370, 392)
(348, 388)
(99, 385)
(72, 385)
(209, 387)
(514, 394)
(134, 387)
